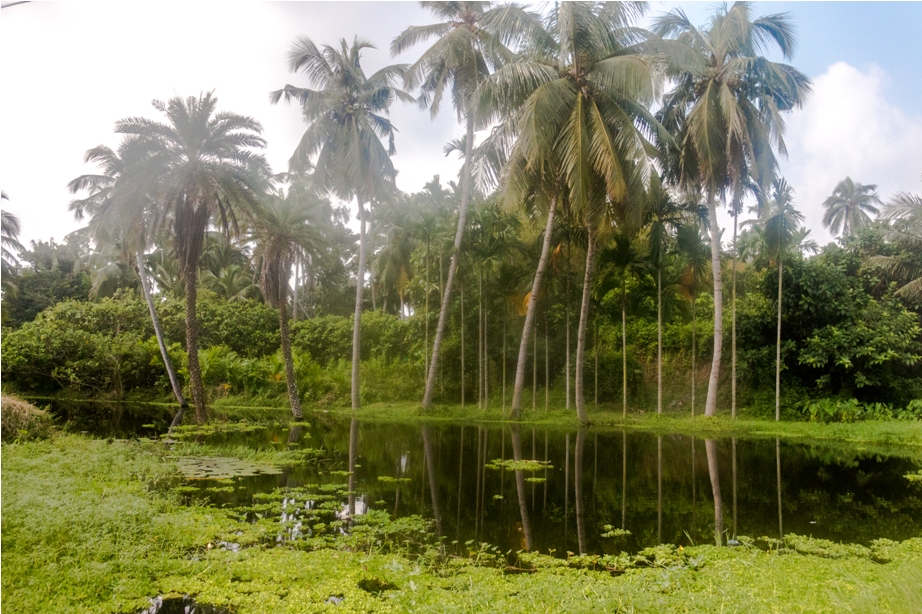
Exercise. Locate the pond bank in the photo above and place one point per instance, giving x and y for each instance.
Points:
(91, 525)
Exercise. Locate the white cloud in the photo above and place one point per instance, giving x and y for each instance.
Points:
(70, 70)
(848, 128)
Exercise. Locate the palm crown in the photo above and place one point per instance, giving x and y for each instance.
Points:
(346, 117)
(848, 207)
(727, 114)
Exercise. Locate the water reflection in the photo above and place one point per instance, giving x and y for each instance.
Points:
(527, 542)
(710, 447)
(440, 472)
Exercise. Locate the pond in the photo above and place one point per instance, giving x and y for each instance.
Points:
(582, 491)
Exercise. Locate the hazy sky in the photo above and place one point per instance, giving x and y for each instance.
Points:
(69, 70)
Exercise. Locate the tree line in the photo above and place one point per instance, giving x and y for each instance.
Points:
(591, 195)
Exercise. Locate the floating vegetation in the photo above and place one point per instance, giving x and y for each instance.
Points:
(256, 455)
(611, 531)
(222, 467)
(536, 480)
(914, 477)
(214, 428)
(386, 479)
(522, 465)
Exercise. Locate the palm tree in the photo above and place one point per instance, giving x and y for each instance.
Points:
(120, 213)
(281, 231)
(907, 208)
(624, 256)
(200, 167)
(727, 117)
(779, 231)
(576, 102)
(664, 216)
(10, 227)
(848, 206)
(346, 122)
(692, 246)
(470, 42)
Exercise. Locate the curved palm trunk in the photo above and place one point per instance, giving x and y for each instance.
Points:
(778, 348)
(520, 486)
(453, 267)
(581, 332)
(710, 407)
(195, 371)
(532, 309)
(357, 322)
(294, 397)
(158, 332)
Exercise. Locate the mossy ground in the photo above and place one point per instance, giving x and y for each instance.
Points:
(93, 526)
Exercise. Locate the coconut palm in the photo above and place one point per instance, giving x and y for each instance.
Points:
(121, 210)
(691, 243)
(779, 231)
(200, 167)
(282, 230)
(663, 217)
(623, 257)
(470, 41)
(577, 100)
(907, 209)
(727, 118)
(848, 206)
(10, 227)
(346, 121)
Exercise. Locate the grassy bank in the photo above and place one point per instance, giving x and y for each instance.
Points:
(92, 526)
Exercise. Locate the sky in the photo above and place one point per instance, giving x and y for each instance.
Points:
(70, 70)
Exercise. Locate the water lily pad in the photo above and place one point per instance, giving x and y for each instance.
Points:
(221, 467)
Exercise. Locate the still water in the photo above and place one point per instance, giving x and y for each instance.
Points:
(671, 489)
(576, 491)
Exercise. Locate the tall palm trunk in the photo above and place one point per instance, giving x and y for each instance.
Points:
(710, 407)
(463, 372)
(694, 351)
(480, 342)
(504, 356)
(530, 312)
(426, 356)
(294, 294)
(595, 351)
(778, 347)
(195, 371)
(659, 338)
(453, 267)
(568, 325)
(357, 322)
(581, 332)
(294, 397)
(158, 332)
(623, 350)
(733, 325)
